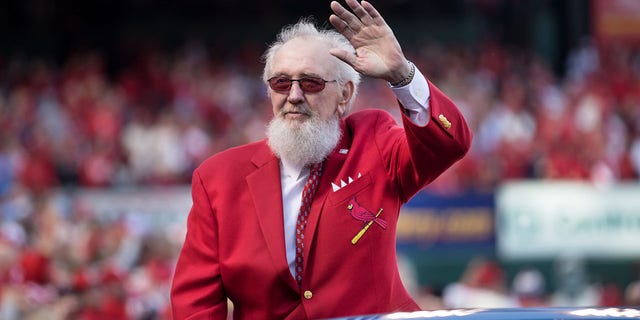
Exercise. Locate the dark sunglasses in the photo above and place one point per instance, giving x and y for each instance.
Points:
(307, 84)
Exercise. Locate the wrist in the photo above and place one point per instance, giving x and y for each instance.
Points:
(407, 79)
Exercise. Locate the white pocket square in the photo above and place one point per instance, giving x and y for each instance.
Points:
(343, 183)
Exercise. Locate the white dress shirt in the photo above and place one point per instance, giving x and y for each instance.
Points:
(414, 98)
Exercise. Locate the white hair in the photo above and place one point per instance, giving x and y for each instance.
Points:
(306, 28)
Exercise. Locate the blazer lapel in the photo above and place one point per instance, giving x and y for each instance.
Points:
(265, 187)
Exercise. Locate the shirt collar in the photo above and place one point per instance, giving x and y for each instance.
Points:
(292, 170)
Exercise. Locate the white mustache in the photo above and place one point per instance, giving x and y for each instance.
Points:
(296, 109)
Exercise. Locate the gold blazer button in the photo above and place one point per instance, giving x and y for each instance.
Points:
(308, 294)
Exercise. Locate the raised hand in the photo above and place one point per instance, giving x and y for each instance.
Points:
(378, 53)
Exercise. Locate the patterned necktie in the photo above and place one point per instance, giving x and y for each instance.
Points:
(310, 187)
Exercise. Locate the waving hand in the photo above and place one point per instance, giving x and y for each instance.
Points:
(378, 53)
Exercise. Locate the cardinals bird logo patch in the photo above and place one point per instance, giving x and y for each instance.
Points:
(361, 213)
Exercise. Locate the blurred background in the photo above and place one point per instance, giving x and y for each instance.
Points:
(106, 107)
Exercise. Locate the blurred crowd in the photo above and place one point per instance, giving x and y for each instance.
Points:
(530, 123)
(60, 259)
(153, 119)
(149, 122)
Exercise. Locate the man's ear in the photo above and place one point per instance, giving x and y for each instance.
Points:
(347, 94)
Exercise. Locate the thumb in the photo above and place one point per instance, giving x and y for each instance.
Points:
(348, 57)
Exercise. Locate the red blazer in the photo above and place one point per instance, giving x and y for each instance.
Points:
(235, 248)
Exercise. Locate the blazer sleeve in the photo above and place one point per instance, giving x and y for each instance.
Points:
(197, 291)
(425, 152)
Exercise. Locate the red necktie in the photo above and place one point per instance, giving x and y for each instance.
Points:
(310, 187)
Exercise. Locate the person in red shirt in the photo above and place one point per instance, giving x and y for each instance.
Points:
(246, 241)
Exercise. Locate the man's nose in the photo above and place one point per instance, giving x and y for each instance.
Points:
(295, 93)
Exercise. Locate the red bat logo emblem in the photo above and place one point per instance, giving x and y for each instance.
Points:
(362, 214)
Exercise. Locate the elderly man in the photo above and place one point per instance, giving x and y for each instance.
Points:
(302, 225)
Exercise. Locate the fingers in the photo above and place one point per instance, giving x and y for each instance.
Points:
(341, 26)
(360, 11)
(373, 12)
(357, 21)
(348, 18)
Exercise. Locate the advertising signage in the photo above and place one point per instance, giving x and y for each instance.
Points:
(541, 220)
(462, 222)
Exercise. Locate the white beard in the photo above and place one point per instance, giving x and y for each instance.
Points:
(308, 142)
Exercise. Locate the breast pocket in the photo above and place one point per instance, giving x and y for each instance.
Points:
(349, 190)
